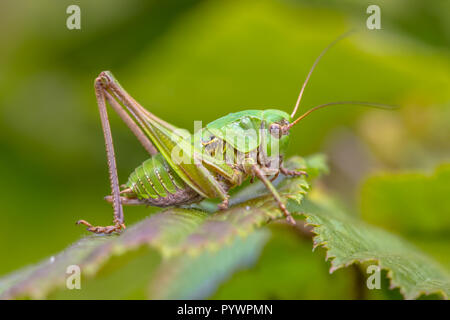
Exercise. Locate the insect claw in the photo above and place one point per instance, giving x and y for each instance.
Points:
(290, 220)
(287, 214)
(275, 176)
(293, 173)
(84, 222)
(224, 204)
(98, 229)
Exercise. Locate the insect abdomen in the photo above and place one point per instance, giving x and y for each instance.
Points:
(157, 184)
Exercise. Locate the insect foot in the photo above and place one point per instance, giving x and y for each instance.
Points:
(224, 204)
(98, 229)
(293, 173)
(287, 214)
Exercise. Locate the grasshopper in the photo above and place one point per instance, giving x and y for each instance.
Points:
(212, 160)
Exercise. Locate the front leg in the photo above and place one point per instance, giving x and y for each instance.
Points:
(260, 174)
(292, 173)
(224, 204)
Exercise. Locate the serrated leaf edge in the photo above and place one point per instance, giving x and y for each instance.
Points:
(390, 274)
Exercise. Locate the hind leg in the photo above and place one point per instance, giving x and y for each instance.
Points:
(118, 219)
(102, 84)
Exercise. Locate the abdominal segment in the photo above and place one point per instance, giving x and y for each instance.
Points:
(155, 183)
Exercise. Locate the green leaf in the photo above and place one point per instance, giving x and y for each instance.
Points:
(188, 241)
(349, 240)
(184, 253)
(197, 277)
(161, 231)
(288, 269)
(414, 204)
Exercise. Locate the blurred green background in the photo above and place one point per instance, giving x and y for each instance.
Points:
(198, 60)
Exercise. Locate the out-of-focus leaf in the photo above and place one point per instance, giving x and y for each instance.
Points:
(411, 203)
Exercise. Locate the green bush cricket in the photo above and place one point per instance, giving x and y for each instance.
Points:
(185, 168)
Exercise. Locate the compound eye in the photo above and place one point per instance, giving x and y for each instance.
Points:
(275, 130)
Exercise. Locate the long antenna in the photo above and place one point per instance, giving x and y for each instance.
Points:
(314, 66)
(360, 103)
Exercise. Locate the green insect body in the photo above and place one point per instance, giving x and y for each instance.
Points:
(186, 168)
(156, 183)
(154, 179)
(249, 121)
